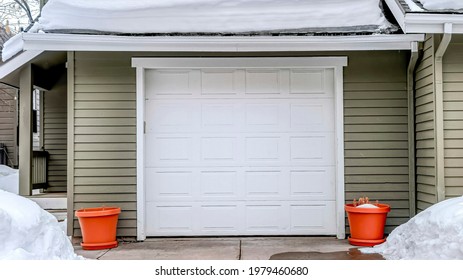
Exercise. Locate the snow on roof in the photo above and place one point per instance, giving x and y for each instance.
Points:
(208, 16)
(442, 4)
(434, 6)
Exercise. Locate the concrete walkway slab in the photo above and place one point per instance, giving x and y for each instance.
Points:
(233, 248)
(263, 248)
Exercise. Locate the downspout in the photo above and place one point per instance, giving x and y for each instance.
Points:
(411, 127)
(439, 111)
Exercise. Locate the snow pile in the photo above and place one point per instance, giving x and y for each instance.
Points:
(208, 16)
(28, 232)
(434, 234)
(442, 4)
(9, 179)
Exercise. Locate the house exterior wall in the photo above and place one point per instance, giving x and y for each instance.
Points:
(104, 145)
(55, 135)
(425, 128)
(453, 117)
(8, 122)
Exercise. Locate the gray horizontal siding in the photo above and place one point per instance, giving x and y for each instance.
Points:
(453, 117)
(424, 127)
(55, 135)
(376, 161)
(376, 133)
(104, 136)
(8, 113)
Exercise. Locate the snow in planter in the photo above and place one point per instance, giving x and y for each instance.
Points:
(27, 232)
(434, 234)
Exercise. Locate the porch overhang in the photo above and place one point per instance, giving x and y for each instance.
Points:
(427, 23)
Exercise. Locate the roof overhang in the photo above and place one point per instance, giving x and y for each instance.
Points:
(34, 44)
(424, 22)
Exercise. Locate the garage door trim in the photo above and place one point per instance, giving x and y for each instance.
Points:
(335, 63)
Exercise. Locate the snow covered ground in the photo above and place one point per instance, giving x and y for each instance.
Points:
(9, 179)
(434, 234)
(27, 232)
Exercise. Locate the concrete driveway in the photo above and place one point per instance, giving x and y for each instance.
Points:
(237, 248)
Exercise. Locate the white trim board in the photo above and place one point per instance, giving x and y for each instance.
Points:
(336, 63)
(73, 42)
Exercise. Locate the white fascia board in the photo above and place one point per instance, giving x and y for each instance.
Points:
(72, 42)
(432, 23)
(17, 62)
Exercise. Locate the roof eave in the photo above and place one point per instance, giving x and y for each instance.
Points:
(432, 23)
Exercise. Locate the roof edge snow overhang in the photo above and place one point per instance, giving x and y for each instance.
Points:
(426, 23)
(73, 42)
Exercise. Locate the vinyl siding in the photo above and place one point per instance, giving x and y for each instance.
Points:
(425, 128)
(8, 119)
(376, 148)
(55, 135)
(375, 131)
(105, 136)
(453, 117)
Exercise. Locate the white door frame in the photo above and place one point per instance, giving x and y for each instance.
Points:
(335, 63)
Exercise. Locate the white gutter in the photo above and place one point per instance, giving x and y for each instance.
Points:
(411, 127)
(439, 111)
(73, 42)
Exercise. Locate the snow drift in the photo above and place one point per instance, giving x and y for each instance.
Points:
(208, 16)
(9, 179)
(434, 234)
(28, 232)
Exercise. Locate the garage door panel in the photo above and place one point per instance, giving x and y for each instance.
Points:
(172, 83)
(169, 184)
(169, 150)
(215, 184)
(222, 82)
(266, 218)
(166, 219)
(313, 183)
(265, 184)
(312, 116)
(219, 149)
(312, 218)
(314, 149)
(213, 219)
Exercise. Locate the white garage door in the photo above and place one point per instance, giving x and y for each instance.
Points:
(239, 151)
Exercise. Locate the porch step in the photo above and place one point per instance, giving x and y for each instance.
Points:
(60, 214)
(50, 201)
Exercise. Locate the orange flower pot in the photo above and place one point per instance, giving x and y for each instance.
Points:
(367, 224)
(98, 227)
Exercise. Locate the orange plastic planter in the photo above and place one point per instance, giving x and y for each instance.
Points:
(98, 227)
(367, 224)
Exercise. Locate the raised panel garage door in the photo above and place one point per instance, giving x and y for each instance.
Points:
(239, 152)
